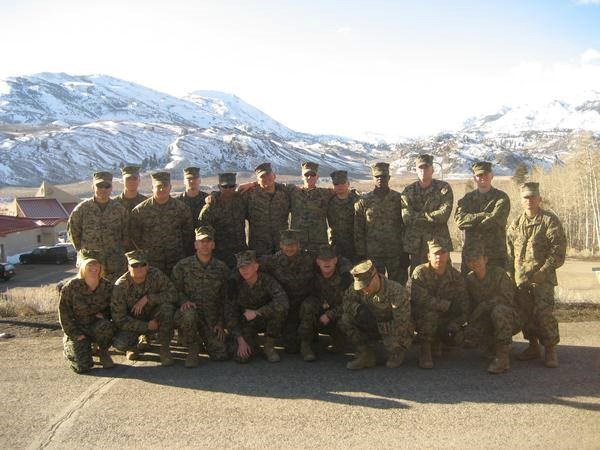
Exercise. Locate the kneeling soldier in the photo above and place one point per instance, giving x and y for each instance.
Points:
(377, 308)
(493, 320)
(143, 302)
(257, 303)
(322, 311)
(440, 302)
(201, 283)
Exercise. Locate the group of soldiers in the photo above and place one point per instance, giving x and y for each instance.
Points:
(294, 262)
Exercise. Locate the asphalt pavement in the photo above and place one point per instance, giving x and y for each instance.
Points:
(36, 275)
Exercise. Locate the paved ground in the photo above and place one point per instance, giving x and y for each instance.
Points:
(295, 404)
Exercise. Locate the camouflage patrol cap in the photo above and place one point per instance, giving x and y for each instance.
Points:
(310, 167)
(380, 169)
(102, 177)
(339, 177)
(436, 245)
(474, 249)
(289, 237)
(87, 256)
(530, 189)
(263, 169)
(227, 179)
(136, 257)
(130, 171)
(363, 273)
(326, 251)
(480, 167)
(191, 172)
(159, 178)
(204, 232)
(244, 258)
(423, 159)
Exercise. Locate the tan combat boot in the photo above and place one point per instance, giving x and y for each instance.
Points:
(425, 360)
(550, 357)
(269, 350)
(307, 352)
(395, 359)
(365, 358)
(105, 359)
(531, 352)
(166, 358)
(192, 360)
(501, 361)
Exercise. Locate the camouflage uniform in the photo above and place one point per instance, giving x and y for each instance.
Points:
(340, 216)
(195, 204)
(537, 246)
(162, 298)
(77, 311)
(130, 203)
(425, 213)
(164, 232)
(206, 286)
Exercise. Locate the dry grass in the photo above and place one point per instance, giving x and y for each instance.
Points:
(21, 302)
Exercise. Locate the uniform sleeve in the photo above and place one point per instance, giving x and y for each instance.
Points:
(510, 249)
(136, 227)
(75, 227)
(421, 299)
(409, 215)
(65, 313)
(163, 290)
(465, 219)
(557, 245)
(401, 310)
(178, 277)
(498, 216)
(279, 299)
(336, 311)
(360, 229)
(442, 214)
(506, 291)
(120, 315)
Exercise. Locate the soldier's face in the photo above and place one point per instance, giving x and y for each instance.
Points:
(477, 264)
(161, 192)
(327, 266)
(92, 270)
(131, 183)
(484, 180)
(438, 260)
(425, 172)
(381, 181)
(290, 250)
(531, 204)
(373, 286)
(341, 189)
(266, 180)
(249, 271)
(191, 184)
(102, 191)
(205, 246)
(310, 179)
(138, 272)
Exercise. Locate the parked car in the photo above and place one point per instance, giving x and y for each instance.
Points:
(7, 271)
(57, 254)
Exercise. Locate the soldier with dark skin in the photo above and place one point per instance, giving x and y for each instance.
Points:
(143, 302)
(379, 229)
(99, 225)
(84, 315)
(257, 303)
(130, 197)
(294, 269)
(340, 215)
(440, 302)
(426, 208)
(376, 308)
(226, 213)
(482, 214)
(321, 312)
(202, 282)
(536, 248)
(493, 317)
(162, 226)
(193, 197)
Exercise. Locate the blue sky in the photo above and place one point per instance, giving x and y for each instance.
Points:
(348, 67)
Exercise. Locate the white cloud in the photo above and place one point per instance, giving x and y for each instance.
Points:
(344, 31)
(590, 55)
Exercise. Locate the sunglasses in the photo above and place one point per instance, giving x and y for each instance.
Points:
(136, 265)
(104, 185)
(310, 175)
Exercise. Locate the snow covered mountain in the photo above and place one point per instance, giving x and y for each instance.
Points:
(61, 128)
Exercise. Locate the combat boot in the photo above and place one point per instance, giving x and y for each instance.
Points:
(307, 352)
(192, 360)
(143, 343)
(395, 359)
(166, 358)
(105, 359)
(550, 356)
(132, 355)
(364, 359)
(269, 350)
(501, 361)
(531, 352)
(425, 360)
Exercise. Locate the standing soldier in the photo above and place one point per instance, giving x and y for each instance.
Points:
(377, 308)
(143, 302)
(193, 197)
(99, 225)
(226, 213)
(293, 268)
(536, 248)
(378, 227)
(201, 283)
(130, 197)
(426, 208)
(440, 303)
(323, 311)
(162, 226)
(340, 215)
(493, 319)
(257, 303)
(483, 214)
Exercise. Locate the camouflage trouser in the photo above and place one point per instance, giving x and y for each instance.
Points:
(127, 340)
(498, 262)
(310, 311)
(396, 267)
(79, 353)
(438, 326)
(195, 330)
(291, 339)
(536, 305)
(396, 334)
(496, 326)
